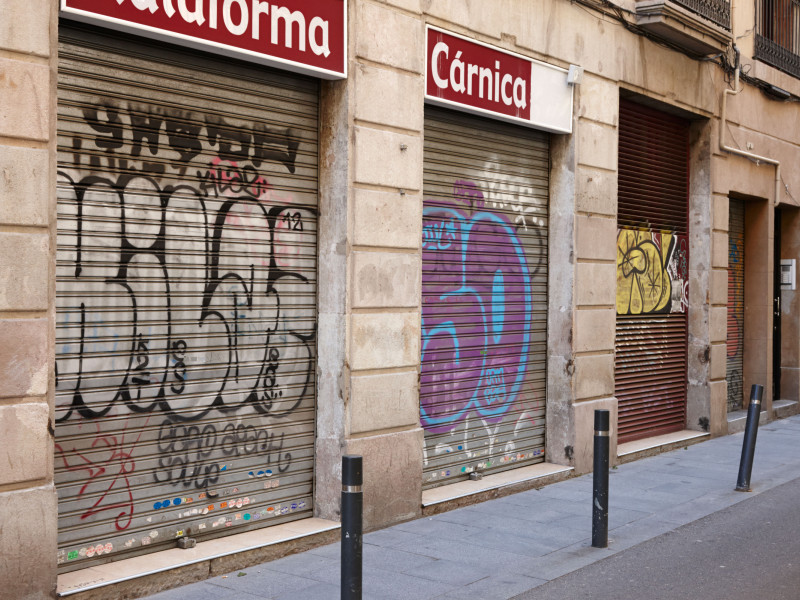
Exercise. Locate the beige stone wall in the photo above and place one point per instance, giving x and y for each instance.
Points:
(384, 256)
(27, 183)
(370, 242)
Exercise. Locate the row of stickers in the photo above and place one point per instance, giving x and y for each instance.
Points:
(239, 518)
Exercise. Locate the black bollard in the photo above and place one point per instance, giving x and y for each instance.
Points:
(602, 439)
(352, 505)
(749, 442)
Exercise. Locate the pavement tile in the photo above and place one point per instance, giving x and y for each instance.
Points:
(303, 565)
(503, 540)
(203, 591)
(469, 553)
(333, 551)
(547, 532)
(392, 559)
(565, 561)
(496, 587)
(434, 527)
(627, 536)
(454, 573)
(264, 583)
(319, 591)
(391, 537)
(403, 586)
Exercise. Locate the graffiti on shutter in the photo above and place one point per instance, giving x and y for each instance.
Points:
(186, 327)
(652, 272)
(484, 289)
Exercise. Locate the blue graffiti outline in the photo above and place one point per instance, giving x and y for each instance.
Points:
(465, 229)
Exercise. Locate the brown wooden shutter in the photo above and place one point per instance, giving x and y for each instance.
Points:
(652, 272)
(735, 305)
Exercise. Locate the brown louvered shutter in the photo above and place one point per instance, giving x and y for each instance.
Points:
(735, 305)
(652, 272)
(185, 296)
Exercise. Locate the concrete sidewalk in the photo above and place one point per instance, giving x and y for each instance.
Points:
(500, 548)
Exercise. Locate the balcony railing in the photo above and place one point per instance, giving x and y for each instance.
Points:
(778, 34)
(716, 11)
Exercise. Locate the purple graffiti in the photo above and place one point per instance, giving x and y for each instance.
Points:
(476, 312)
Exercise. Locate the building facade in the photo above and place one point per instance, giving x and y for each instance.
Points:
(239, 240)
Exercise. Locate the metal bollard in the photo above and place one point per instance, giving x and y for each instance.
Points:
(749, 442)
(352, 505)
(602, 439)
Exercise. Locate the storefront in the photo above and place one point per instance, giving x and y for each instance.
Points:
(186, 275)
(652, 272)
(484, 256)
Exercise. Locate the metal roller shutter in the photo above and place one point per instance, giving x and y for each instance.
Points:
(652, 272)
(735, 364)
(484, 298)
(185, 294)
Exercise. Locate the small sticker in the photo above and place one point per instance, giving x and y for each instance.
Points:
(205, 510)
(82, 552)
(246, 516)
(145, 541)
(246, 501)
(294, 505)
(302, 504)
(108, 547)
(90, 552)
(154, 534)
(223, 505)
(99, 549)
(177, 501)
(72, 555)
(201, 526)
(238, 517)
(268, 472)
(239, 503)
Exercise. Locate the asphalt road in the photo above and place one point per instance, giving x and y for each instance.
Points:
(748, 551)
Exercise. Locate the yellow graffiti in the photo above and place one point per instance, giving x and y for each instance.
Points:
(643, 284)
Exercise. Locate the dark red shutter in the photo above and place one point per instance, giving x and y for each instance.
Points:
(652, 272)
(735, 304)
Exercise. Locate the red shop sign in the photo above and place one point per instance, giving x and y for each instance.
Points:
(305, 36)
(482, 79)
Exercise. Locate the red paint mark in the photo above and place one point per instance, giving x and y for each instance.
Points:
(116, 457)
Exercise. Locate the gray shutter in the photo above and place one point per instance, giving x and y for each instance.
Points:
(734, 371)
(484, 299)
(185, 294)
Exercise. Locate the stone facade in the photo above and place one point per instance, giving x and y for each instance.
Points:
(370, 244)
(28, 507)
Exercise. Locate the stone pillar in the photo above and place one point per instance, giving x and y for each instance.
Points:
(706, 407)
(28, 506)
(595, 255)
(758, 273)
(384, 259)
